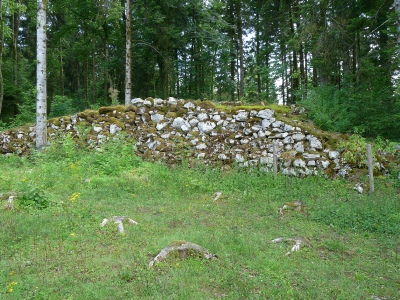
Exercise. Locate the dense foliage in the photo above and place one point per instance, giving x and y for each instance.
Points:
(337, 58)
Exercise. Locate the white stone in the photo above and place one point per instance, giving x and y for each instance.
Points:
(147, 103)
(193, 122)
(239, 158)
(217, 118)
(247, 131)
(288, 140)
(266, 160)
(189, 105)
(288, 128)
(73, 119)
(241, 116)
(206, 127)
(325, 164)
(314, 142)
(222, 156)
(299, 163)
(298, 137)
(333, 154)
(153, 145)
(265, 114)
(114, 128)
(141, 110)
(137, 102)
(289, 171)
(185, 127)
(172, 101)
(277, 124)
(299, 147)
(180, 123)
(161, 126)
(158, 102)
(157, 118)
(202, 117)
(201, 146)
(261, 134)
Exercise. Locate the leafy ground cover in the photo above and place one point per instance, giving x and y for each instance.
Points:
(53, 247)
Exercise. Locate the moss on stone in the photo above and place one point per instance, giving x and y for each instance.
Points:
(110, 109)
(205, 104)
(54, 121)
(181, 112)
(130, 108)
(171, 115)
(289, 155)
(117, 122)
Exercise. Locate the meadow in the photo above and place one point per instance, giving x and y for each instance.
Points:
(53, 247)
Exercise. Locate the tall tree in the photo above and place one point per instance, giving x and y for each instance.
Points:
(128, 54)
(1, 56)
(397, 10)
(41, 76)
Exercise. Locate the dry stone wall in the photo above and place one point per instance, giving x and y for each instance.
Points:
(172, 130)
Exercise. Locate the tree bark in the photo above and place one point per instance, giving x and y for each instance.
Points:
(41, 80)
(128, 53)
(16, 24)
(397, 9)
(240, 48)
(1, 56)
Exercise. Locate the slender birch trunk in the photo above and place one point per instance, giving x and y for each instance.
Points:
(128, 54)
(41, 80)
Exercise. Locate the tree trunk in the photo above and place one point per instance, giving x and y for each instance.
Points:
(240, 48)
(1, 56)
(258, 46)
(128, 54)
(397, 9)
(94, 77)
(62, 71)
(41, 80)
(16, 24)
(233, 41)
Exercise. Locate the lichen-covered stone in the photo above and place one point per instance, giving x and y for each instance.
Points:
(172, 129)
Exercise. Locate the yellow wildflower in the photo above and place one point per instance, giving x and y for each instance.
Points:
(10, 287)
(74, 196)
(72, 234)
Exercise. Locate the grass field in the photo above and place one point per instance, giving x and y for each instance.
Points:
(53, 247)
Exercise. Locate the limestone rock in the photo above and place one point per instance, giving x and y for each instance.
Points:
(206, 127)
(182, 250)
(241, 116)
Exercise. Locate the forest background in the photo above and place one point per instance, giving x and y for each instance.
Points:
(339, 59)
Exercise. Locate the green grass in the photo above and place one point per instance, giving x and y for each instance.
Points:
(62, 252)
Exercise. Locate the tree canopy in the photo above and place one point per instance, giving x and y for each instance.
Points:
(339, 59)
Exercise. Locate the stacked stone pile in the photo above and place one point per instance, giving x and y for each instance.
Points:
(173, 130)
